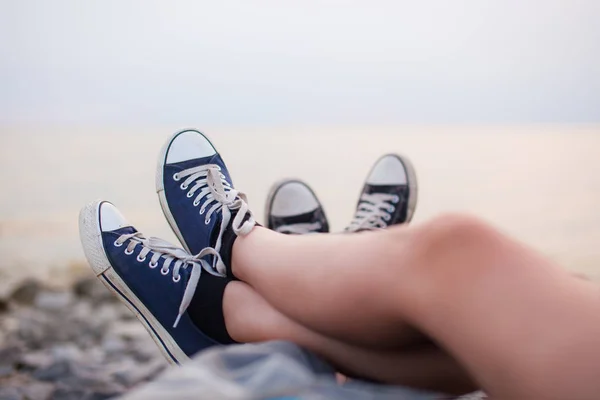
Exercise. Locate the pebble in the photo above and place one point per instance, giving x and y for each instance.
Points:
(3, 305)
(6, 370)
(53, 301)
(35, 360)
(92, 289)
(26, 292)
(114, 345)
(10, 393)
(37, 391)
(72, 344)
(132, 376)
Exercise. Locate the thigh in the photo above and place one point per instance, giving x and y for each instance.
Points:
(524, 327)
(249, 318)
(339, 285)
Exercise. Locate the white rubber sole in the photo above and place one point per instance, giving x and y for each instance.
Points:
(91, 240)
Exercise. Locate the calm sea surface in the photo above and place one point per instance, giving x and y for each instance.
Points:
(540, 184)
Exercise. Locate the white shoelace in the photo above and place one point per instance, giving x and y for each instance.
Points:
(373, 212)
(300, 228)
(172, 254)
(217, 193)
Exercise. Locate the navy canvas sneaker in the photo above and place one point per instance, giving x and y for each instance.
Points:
(389, 196)
(198, 199)
(293, 208)
(159, 282)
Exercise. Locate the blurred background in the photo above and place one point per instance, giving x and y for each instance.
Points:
(496, 102)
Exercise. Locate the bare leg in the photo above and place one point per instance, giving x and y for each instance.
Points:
(249, 318)
(522, 327)
(351, 299)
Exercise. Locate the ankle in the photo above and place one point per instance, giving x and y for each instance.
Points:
(245, 249)
(241, 315)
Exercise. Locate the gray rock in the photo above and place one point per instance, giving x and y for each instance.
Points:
(55, 372)
(6, 370)
(103, 394)
(67, 393)
(124, 313)
(33, 329)
(66, 352)
(114, 345)
(53, 301)
(73, 375)
(145, 351)
(37, 391)
(35, 360)
(26, 292)
(131, 330)
(106, 314)
(66, 345)
(91, 288)
(10, 355)
(3, 305)
(82, 310)
(132, 376)
(10, 393)
(94, 356)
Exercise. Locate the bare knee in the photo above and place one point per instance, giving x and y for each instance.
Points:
(447, 252)
(453, 237)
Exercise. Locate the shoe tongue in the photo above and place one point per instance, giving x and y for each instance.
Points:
(307, 217)
(126, 230)
(195, 162)
(389, 189)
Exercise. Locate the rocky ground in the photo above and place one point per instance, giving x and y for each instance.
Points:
(75, 343)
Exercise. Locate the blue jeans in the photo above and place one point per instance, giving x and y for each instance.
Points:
(272, 370)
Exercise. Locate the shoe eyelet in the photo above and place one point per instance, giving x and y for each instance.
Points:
(387, 217)
(391, 209)
(117, 244)
(183, 187)
(396, 199)
(153, 265)
(176, 177)
(140, 259)
(202, 211)
(206, 221)
(164, 271)
(189, 195)
(176, 278)
(128, 252)
(196, 203)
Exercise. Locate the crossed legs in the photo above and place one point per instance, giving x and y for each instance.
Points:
(249, 318)
(520, 326)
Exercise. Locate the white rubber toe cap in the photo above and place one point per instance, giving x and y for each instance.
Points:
(111, 218)
(388, 170)
(189, 145)
(293, 198)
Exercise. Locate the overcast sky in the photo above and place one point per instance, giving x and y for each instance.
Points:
(299, 62)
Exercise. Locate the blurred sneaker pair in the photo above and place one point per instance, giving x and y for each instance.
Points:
(177, 293)
(388, 197)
